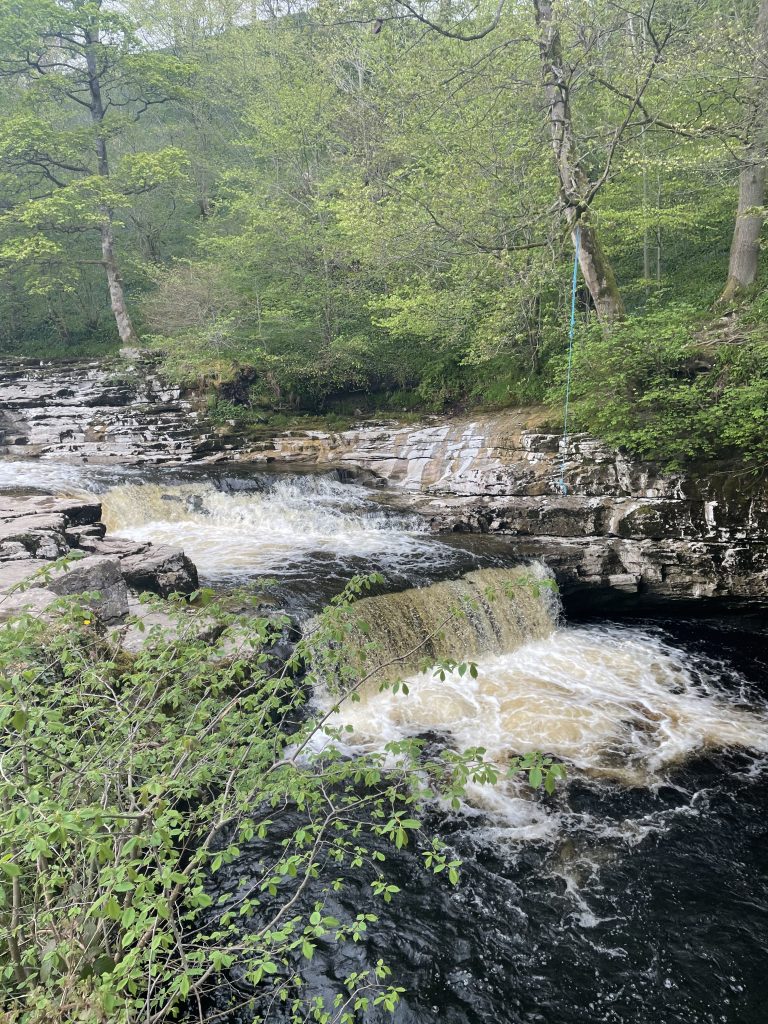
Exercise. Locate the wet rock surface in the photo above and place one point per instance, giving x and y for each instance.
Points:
(621, 524)
(36, 530)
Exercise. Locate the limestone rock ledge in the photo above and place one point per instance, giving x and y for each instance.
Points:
(37, 530)
(622, 524)
(101, 413)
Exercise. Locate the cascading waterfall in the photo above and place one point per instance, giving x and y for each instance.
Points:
(612, 703)
(485, 612)
(269, 528)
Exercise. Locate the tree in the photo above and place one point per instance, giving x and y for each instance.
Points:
(576, 191)
(745, 246)
(600, 34)
(83, 77)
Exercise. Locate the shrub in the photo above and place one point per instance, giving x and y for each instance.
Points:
(128, 781)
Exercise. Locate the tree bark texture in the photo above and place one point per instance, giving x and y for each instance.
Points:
(597, 271)
(745, 245)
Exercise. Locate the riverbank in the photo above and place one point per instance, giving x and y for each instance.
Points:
(622, 526)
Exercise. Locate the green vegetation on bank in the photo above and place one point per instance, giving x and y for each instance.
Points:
(342, 206)
(131, 783)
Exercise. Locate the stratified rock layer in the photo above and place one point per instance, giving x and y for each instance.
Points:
(598, 518)
(117, 414)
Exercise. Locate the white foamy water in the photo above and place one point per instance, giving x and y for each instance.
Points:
(61, 478)
(58, 477)
(612, 703)
(268, 531)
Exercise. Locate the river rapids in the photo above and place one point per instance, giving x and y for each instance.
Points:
(638, 893)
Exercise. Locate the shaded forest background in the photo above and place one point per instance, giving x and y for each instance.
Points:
(333, 207)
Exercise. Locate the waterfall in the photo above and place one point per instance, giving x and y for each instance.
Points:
(613, 703)
(490, 611)
(278, 525)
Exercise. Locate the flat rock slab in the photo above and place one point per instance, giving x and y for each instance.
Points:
(32, 602)
(13, 573)
(76, 511)
(115, 547)
(27, 523)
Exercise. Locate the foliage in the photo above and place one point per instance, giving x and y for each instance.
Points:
(374, 220)
(659, 387)
(130, 781)
(77, 77)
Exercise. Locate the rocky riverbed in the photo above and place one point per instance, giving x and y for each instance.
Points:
(599, 519)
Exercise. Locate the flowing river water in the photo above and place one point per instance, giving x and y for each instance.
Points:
(638, 893)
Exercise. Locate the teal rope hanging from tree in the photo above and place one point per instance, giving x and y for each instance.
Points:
(571, 335)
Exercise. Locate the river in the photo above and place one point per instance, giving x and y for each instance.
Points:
(637, 893)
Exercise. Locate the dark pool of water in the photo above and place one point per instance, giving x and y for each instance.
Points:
(648, 905)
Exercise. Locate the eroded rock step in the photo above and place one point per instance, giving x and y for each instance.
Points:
(96, 413)
(37, 530)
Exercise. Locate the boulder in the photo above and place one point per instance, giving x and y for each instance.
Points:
(11, 550)
(94, 574)
(77, 536)
(160, 570)
(42, 536)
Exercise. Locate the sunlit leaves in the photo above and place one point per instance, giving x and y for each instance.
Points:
(156, 769)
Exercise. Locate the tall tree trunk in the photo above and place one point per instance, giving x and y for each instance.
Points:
(745, 245)
(128, 336)
(114, 280)
(598, 275)
(596, 270)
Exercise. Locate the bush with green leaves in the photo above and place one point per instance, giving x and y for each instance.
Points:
(127, 781)
(657, 386)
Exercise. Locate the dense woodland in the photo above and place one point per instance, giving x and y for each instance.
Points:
(339, 209)
(347, 205)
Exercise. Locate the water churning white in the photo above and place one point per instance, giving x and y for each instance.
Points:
(613, 702)
(266, 531)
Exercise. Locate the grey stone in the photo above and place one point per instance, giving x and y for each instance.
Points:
(115, 547)
(87, 410)
(12, 550)
(160, 570)
(78, 536)
(91, 574)
(34, 602)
